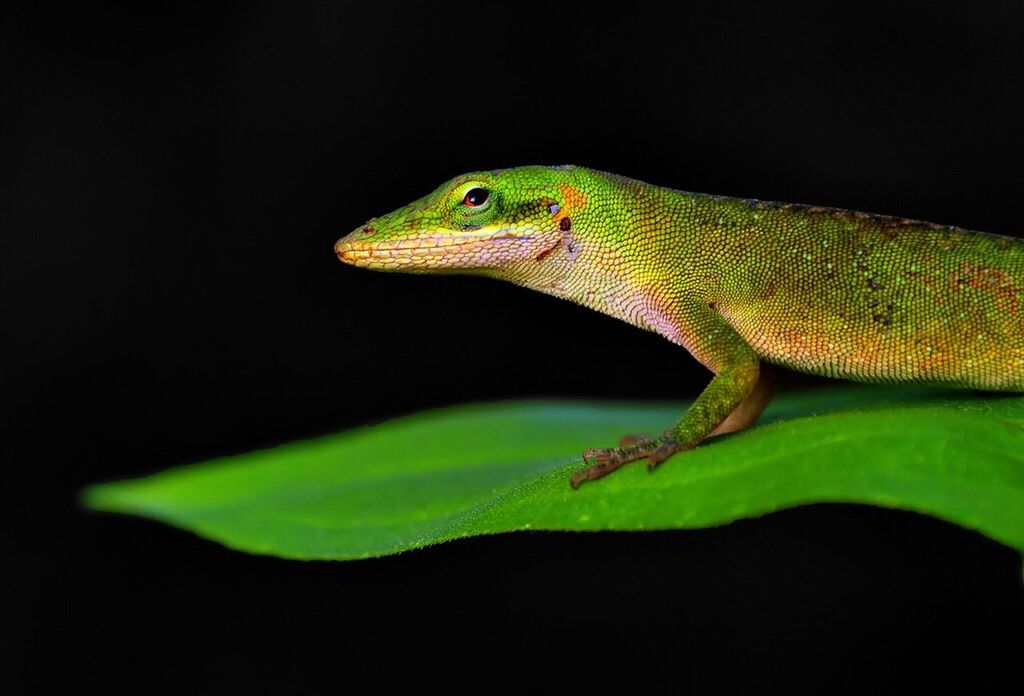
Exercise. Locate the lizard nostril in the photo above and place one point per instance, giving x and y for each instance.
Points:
(367, 230)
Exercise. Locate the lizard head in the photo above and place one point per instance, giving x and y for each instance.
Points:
(482, 221)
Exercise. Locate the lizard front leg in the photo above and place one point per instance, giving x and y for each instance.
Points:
(744, 415)
(732, 401)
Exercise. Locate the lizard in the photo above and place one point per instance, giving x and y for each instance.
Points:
(742, 284)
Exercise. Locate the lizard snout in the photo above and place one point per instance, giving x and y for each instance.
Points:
(342, 246)
(345, 246)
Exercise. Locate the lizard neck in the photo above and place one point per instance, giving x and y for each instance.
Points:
(621, 252)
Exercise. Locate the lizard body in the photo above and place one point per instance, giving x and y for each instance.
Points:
(736, 282)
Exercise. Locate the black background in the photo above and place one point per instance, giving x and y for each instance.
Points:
(172, 184)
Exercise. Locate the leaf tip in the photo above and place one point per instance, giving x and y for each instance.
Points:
(101, 497)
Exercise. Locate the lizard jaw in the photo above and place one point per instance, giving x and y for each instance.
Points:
(435, 251)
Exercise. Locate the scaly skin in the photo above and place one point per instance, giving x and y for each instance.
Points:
(736, 282)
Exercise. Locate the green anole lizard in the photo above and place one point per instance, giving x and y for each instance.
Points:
(736, 282)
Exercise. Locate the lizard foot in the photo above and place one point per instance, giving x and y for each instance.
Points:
(635, 439)
(605, 460)
(662, 452)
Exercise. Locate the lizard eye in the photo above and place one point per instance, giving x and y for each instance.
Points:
(475, 197)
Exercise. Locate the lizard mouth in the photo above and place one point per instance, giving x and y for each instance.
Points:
(431, 251)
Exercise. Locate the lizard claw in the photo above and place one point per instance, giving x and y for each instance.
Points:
(603, 461)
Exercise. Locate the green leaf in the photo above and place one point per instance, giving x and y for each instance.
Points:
(501, 467)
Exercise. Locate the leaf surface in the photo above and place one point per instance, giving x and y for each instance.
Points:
(501, 467)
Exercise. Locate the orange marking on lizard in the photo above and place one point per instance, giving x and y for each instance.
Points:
(572, 199)
(996, 282)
